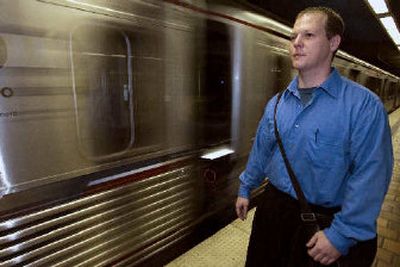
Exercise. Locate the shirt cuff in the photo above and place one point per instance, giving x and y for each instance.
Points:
(341, 243)
(244, 191)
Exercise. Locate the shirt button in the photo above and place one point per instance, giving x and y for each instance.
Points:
(297, 126)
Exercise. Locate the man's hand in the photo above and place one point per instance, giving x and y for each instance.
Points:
(242, 205)
(321, 249)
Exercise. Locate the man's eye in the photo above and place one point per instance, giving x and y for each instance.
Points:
(292, 37)
(309, 35)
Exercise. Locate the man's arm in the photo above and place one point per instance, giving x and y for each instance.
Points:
(254, 173)
(369, 177)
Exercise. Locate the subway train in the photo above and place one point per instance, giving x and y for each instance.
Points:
(124, 125)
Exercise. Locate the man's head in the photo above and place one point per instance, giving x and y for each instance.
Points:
(316, 37)
(334, 24)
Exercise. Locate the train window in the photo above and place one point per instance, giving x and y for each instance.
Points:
(374, 84)
(3, 52)
(102, 90)
(215, 99)
(353, 74)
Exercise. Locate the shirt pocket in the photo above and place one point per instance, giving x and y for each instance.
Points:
(327, 151)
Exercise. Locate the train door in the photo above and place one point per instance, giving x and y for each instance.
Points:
(214, 104)
(215, 92)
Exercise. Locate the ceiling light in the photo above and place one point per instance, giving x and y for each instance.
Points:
(379, 6)
(390, 25)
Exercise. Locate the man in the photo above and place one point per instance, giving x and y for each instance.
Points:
(338, 142)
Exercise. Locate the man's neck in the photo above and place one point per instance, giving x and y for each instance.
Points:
(308, 79)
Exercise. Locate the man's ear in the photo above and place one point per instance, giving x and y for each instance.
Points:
(335, 42)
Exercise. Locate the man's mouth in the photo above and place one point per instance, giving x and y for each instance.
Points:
(298, 55)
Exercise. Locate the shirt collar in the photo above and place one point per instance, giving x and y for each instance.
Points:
(331, 85)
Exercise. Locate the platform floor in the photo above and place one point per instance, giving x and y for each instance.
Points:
(227, 248)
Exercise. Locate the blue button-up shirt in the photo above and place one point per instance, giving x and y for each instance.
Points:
(339, 146)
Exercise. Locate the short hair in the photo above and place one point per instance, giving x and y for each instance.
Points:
(334, 22)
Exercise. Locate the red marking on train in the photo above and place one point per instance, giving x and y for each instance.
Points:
(213, 13)
(134, 177)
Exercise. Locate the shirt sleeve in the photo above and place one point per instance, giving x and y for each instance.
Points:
(371, 164)
(254, 173)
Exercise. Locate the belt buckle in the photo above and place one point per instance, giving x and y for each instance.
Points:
(308, 217)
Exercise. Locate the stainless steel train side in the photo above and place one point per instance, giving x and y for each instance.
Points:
(96, 148)
(125, 124)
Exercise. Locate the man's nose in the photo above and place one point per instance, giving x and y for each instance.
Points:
(297, 41)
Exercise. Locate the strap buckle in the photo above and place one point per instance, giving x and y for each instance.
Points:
(308, 217)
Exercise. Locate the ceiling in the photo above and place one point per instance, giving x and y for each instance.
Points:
(364, 36)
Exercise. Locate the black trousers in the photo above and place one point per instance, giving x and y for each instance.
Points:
(276, 221)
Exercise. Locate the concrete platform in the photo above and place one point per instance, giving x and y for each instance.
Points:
(227, 248)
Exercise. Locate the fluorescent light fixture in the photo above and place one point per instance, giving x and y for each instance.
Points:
(379, 6)
(391, 28)
(217, 153)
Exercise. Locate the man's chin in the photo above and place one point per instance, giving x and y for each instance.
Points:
(296, 66)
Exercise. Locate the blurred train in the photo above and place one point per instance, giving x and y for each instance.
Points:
(124, 124)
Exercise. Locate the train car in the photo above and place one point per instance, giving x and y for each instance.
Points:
(124, 125)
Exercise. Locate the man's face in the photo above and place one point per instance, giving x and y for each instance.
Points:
(310, 48)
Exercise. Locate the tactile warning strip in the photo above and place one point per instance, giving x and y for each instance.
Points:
(226, 248)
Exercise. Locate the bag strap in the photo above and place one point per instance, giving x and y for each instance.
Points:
(306, 213)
